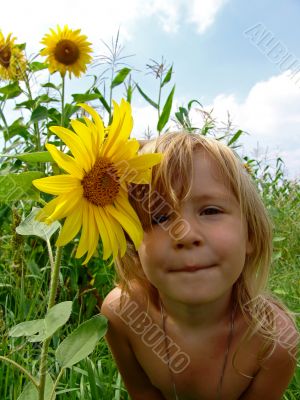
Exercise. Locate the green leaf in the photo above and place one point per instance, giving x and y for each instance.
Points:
(39, 113)
(164, 117)
(11, 90)
(30, 226)
(235, 137)
(37, 156)
(102, 99)
(80, 343)
(129, 94)
(15, 187)
(167, 77)
(57, 316)
(37, 66)
(155, 105)
(30, 392)
(121, 76)
(27, 328)
(50, 85)
(190, 103)
(83, 97)
(44, 98)
(26, 104)
(17, 128)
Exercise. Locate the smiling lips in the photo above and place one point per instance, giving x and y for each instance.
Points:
(190, 268)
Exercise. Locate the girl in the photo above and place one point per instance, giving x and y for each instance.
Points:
(190, 318)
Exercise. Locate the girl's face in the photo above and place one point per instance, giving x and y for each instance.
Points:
(195, 255)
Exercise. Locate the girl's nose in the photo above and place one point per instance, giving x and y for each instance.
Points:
(190, 236)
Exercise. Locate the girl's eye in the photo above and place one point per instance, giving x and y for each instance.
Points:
(159, 219)
(211, 211)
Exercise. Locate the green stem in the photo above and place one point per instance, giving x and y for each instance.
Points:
(25, 372)
(159, 97)
(56, 383)
(51, 302)
(5, 124)
(62, 105)
(35, 124)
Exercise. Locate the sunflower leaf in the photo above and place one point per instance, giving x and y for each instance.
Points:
(11, 90)
(15, 187)
(37, 156)
(37, 66)
(30, 391)
(30, 226)
(81, 342)
(57, 316)
(39, 114)
(27, 328)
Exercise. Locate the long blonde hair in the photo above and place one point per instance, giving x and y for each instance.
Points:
(250, 290)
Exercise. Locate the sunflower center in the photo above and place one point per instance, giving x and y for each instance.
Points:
(66, 52)
(101, 185)
(5, 55)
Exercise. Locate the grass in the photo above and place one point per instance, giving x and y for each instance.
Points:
(23, 288)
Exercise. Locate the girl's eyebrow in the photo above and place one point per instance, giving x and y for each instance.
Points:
(225, 196)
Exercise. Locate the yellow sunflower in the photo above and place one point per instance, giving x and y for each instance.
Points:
(12, 59)
(66, 51)
(93, 195)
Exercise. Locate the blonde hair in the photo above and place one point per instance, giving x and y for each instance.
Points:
(250, 290)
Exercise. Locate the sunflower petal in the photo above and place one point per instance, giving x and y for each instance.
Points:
(85, 135)
(120, 129)
(70, 228)
(132, 227)
(64, 161)
(64, 206)
(97, 120)
(92, 233)
(75, 145)
(58, 184)
(83, 245)
(105, 238)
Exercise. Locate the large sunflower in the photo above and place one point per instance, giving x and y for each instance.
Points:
(66, 51)
(12, 59)
(94, 193)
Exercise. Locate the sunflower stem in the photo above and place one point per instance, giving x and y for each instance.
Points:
(35, 124)
(62, 105)
(5, 125)
(51, 302)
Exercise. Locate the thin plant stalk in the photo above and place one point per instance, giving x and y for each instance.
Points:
(35, 124)
(52, 294)
(62, 105)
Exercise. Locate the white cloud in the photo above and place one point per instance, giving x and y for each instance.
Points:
(270, 115)
(203, 13)
(100, 20)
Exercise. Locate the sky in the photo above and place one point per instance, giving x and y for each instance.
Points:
(234, 56)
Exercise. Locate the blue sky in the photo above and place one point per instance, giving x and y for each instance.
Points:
(215, 60)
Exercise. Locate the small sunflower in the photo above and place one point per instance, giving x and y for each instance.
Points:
(12, 59)
(93, 195)
(66, 51)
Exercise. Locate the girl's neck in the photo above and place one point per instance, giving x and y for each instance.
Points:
(193, 316)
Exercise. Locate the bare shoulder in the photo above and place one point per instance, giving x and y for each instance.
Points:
(117, 310)
(278, 368)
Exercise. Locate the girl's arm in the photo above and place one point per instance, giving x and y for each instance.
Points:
(277, 371)
(136, 381)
